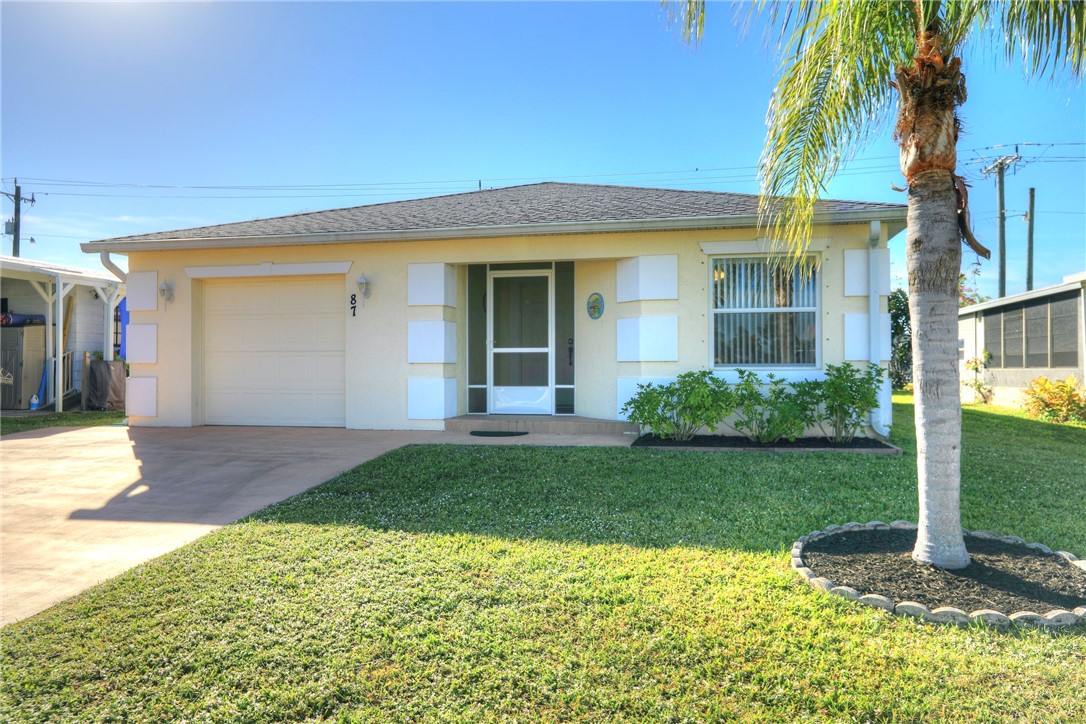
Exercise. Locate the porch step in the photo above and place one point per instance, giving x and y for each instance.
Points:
(557, 425)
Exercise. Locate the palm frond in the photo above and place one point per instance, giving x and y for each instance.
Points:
(689, 15)
(835, 85)
(833, 94)
(959, 19)
(1050, 36)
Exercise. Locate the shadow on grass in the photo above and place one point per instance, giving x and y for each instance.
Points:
(985, 425)
(987, 421)
(644, 498)
(658, 498)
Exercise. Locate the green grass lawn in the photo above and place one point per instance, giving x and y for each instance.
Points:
(10, 424)
(527, 584)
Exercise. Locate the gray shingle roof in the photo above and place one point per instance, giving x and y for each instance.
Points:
(542, 203)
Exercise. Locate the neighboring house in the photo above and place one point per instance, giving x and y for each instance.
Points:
(547, 299)
(1029, 335)
(80, 320)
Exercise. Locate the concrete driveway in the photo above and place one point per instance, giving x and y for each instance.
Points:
(81, 505)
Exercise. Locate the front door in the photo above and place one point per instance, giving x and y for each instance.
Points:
(520, 337)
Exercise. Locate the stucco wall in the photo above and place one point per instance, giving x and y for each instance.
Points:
(376, 337)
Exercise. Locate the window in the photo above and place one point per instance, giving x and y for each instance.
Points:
(993, 338)
(1039, 334)
(1012, 337)
(764, 313)
(118, 330)
(1064, 328)
(116, 327)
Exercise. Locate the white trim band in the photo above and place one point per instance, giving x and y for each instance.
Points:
(268, 269)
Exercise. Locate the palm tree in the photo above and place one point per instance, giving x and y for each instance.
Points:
(847, 61)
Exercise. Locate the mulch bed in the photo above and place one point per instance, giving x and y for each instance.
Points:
(735, 441)
(1005, 577)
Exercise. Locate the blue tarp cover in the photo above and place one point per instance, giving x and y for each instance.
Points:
(21, 320)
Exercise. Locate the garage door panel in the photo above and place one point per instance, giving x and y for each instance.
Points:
(220, 331)
(277, 408)
(315, 334)
(330, 369)
(258, 333)
(258, 371)
(299, 296)
(274, 352)
(322, 371)
(223, 407)
(307, 372)
(237, 333)
(310, 406)
(225, 370)
(236, 296)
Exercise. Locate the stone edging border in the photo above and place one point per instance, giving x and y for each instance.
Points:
(943, 614)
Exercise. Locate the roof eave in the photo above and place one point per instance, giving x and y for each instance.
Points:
(1022, 297)
(16, 268)
(893, 217)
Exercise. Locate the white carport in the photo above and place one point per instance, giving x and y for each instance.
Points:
(54, 282)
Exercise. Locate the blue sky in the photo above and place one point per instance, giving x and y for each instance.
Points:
(176, 115)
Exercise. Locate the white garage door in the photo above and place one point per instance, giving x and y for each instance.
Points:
(273, 352)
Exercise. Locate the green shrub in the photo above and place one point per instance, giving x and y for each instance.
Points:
(844, 400)
(767, 412)
(1056, 400)
(679, 409)
(978, 380)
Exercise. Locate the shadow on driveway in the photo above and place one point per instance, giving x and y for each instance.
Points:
(81, 505)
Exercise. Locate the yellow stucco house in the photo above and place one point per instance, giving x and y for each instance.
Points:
(546, 299)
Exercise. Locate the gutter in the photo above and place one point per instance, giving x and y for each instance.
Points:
(890, 216)
(108, 264)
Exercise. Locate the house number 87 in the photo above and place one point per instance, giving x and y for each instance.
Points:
(354, 305)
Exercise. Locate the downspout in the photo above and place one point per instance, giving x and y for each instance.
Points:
(58, 347)
(109, 295)
(108, 264)
(874, 320)
(107, 351)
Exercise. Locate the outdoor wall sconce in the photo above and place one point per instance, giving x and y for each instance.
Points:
(166, 292)
(363, 286)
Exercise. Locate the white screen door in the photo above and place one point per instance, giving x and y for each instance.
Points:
(520, 321)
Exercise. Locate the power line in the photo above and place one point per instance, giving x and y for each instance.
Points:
(1029, 143)
(58, 236)
(400, 188)
(427, 185)
(707, 177)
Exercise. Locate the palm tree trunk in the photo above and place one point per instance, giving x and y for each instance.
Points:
(933, 256)
(930, 92)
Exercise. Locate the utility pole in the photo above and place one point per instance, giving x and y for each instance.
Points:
(999, 166)
(18, 199)
(1029, 243)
